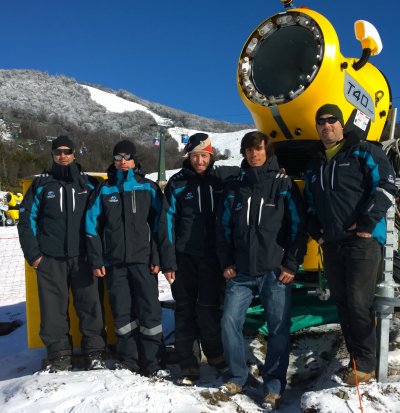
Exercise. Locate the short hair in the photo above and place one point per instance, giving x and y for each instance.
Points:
(253, 139)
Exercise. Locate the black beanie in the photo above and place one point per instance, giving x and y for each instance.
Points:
(62, 140)
(125, 146)
(330, 109)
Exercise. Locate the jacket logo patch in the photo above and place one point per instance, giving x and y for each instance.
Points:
(188, 196)
(238, 206)
(391, 179)
(344, 164)
(51, 195)
(113, 198)
(313, 179)
(84, 192)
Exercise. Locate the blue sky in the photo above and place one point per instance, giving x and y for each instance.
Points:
(181, 53)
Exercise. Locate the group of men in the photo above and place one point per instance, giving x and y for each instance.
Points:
(220, 235)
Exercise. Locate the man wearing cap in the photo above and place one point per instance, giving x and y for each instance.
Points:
(188, 258)
(52, 237)
(121, 229)
(349, 186)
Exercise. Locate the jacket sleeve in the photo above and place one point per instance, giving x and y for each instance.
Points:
(154, 223)
(224, 230)
(381, 182)
(94, 229)
(314, 227)
(295, 221)
(28, 222)
(167, 229)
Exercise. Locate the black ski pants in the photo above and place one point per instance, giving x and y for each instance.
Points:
(55, 276)
(197, 291)
(133, 294)
(351, 268)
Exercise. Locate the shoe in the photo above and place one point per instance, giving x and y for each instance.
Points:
(60, 363)
(191, 373)
(349, 377)
(94, 361)
(161, 374)
(231, 388)
(271, 401)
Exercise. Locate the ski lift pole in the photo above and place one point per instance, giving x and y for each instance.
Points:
(161, 161)
(384, 297)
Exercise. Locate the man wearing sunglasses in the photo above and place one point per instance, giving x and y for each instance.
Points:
(121, 229)
(349, 186)
(52, 237)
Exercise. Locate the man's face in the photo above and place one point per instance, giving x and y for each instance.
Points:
(256, 155)
(200, 161)
(123, 164)
(329, 133)
(63, 155)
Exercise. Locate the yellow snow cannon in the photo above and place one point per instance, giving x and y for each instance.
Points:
(290, 66)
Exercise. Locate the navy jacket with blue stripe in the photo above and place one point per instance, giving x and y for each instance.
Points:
(355, 187)
(261, 221)
(190, 204)
(52, 214)
(122, 220)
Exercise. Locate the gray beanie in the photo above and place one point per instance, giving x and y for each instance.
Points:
(330, 109)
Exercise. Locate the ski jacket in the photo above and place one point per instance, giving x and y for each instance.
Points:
(356, 187)
(189, 210)
(52, 213)
(261, 222)
(122, 220)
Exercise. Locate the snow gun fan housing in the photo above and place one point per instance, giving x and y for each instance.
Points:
(291, 65)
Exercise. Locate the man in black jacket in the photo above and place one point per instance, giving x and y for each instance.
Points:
(349, 187)
(51, 233)
(121, 229)
(189, 261)
(261, 241)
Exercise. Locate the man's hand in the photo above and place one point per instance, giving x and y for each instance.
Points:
(36, 263)
(230, 272)
(99, 272)
(154, 269)
(364, 234)
(286, 276)
(170, 276)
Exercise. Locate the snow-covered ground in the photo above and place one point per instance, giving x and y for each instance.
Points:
(316, 353)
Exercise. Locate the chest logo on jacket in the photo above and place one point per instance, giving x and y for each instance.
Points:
(313, 179)
(238, 206)
(113, 199)
(189, 196)
(51, 195)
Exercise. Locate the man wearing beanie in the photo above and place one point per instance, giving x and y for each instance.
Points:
(121, 229)
(51, 233)
(349, 186)
(188, 258)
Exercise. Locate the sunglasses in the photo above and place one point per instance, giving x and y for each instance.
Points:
(127, 157)
(58, 152)
(331, 120)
